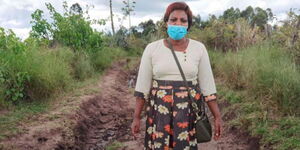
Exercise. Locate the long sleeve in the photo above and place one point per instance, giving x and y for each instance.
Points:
(144, 79)
(205, 77)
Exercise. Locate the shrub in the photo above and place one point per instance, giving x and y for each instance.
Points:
(267, 71)
(50, 71)
(34, 74)
(103, 58)
(82, 67)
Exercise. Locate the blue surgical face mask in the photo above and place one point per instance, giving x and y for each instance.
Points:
(176, 32)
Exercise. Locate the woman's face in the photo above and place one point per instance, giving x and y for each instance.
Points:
(178, 17)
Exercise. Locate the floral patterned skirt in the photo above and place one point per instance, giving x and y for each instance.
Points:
(170, 118)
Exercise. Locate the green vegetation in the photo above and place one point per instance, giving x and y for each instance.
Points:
(11, 120)
(288, 34)
(266, 71)
(275, 130)
(114, 146)
(262, 84)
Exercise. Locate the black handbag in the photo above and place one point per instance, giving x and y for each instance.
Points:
(202, 124)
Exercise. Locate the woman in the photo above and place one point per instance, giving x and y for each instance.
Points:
(170, 117)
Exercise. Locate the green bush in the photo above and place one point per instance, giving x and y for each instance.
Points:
(10, 42)
(255, 115)
(267, 71)
(136, 46)
(288, 34)
(50, 72)
(219, 34)
(36, 73)
(103, 58)
(82, 67)
(72, 28)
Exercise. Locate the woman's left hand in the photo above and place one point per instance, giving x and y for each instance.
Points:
(218, 128)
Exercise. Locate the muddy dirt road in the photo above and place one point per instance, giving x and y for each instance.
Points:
(102, 121)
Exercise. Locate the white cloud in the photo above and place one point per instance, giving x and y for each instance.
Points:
(12, 23)
(23, 33)
(206, 7)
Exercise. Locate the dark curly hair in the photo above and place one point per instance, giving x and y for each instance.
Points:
(179, 6)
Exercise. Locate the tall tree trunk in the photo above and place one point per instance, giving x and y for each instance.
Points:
(239, 36)
(295, 35)
(129, 14)
(111, 17)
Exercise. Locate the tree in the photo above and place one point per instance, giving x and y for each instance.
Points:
(120, 37)
(147, 27)
(231, 15)
(197, 21)
(129, 7)
(134, 31)
(75, 9)
(288, 34)
(74, 29)
(40, 29)
(270, 14)
(212, 17)
(248, 14)
(260, 18)
(111, 17)
(295, 35)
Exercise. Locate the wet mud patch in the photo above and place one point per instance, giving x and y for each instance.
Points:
(105, 118)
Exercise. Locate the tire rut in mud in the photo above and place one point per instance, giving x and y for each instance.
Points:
(104, 118)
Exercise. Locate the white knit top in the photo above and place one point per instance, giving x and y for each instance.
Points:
(158, 63)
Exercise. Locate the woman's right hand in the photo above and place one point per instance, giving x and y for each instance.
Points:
(135, 127)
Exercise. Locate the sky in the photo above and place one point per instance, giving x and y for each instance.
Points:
(16, 14)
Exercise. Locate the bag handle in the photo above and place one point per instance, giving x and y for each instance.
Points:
(194, 104)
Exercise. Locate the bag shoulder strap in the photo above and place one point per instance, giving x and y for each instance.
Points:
(194, 105)
(178, 64)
